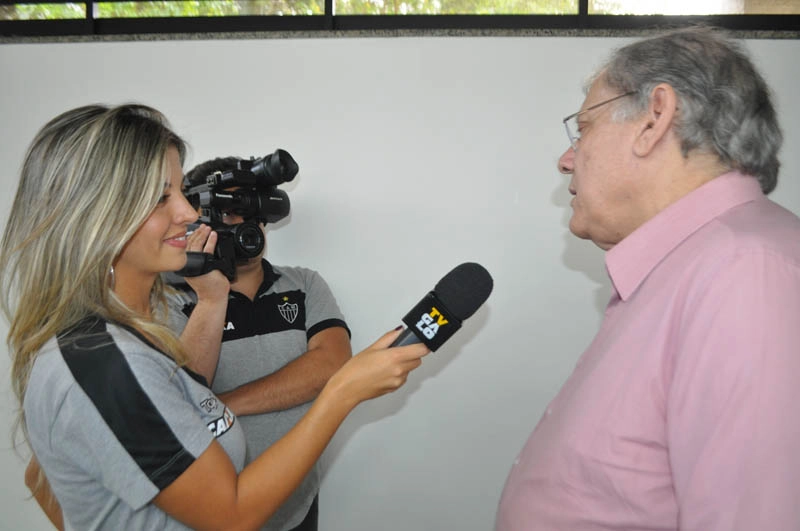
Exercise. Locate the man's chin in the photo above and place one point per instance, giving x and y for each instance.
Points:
(578, 230)
(248, 262)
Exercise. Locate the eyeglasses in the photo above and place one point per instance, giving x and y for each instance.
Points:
(571, 121)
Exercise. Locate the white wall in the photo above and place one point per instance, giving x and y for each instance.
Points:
(416, 154)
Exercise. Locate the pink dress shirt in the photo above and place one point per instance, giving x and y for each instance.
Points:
(684, 412)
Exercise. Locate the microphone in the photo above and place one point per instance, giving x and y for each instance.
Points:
(440, 313)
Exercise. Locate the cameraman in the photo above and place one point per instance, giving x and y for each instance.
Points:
(283, 337)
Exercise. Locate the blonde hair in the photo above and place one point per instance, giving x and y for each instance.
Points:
(90, 178)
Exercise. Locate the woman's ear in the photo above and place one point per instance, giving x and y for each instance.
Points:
(657, 120)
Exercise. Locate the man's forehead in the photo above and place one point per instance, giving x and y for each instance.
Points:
(597, 92)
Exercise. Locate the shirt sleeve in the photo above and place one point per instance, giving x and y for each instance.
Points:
(140, 434)
(733, 427)
(322, 311)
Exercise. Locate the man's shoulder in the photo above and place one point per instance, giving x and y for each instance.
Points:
(294, 269)
(294, 275)
(758, 226)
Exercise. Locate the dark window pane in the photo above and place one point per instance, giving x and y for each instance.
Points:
(456, 7)
(43, 11)
(694, 7)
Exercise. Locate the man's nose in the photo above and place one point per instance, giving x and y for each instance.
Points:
(566, 161)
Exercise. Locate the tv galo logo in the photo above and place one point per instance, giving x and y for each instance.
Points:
(430, 322)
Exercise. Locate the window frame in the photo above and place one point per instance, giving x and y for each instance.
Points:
(772, 26)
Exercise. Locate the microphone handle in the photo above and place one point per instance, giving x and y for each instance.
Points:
(406, 337)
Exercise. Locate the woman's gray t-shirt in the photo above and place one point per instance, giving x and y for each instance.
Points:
(113, 421)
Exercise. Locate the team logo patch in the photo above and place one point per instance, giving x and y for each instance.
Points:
(288, 310)
(209, 404)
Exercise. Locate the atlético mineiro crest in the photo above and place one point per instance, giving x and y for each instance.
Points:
(288, 310)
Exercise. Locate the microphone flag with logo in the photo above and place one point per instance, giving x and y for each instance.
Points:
(441, 312)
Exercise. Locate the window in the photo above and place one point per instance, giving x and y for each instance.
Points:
(694, 7)
(35, 17)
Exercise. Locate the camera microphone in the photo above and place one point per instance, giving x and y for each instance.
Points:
(440, 313)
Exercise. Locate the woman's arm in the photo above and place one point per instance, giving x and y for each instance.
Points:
(297, 382)
(36, 481)
(202, 335)
(209, 494)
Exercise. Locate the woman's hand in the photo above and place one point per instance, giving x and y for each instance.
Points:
(213, 286)
(375, 371)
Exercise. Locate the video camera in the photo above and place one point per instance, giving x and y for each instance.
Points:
(250, 191)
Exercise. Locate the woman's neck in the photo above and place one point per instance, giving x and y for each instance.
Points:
(135, 294)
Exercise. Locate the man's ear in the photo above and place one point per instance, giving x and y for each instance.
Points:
(657, 120)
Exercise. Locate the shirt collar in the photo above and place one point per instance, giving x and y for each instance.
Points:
(270, 276)
(631, 260)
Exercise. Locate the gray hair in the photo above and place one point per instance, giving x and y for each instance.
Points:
(725, 105)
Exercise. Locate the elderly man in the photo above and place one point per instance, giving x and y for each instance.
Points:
(682, 412)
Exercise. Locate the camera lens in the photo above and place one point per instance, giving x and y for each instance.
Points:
(276, 168)
(249, 240)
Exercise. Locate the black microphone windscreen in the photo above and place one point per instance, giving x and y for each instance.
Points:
(464, 289)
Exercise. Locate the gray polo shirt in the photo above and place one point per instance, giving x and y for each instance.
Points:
(113, 421)
(260, 337)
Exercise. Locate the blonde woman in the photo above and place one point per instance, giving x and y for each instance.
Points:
(126, 434)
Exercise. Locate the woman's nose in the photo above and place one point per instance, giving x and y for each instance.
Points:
(186, 212)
